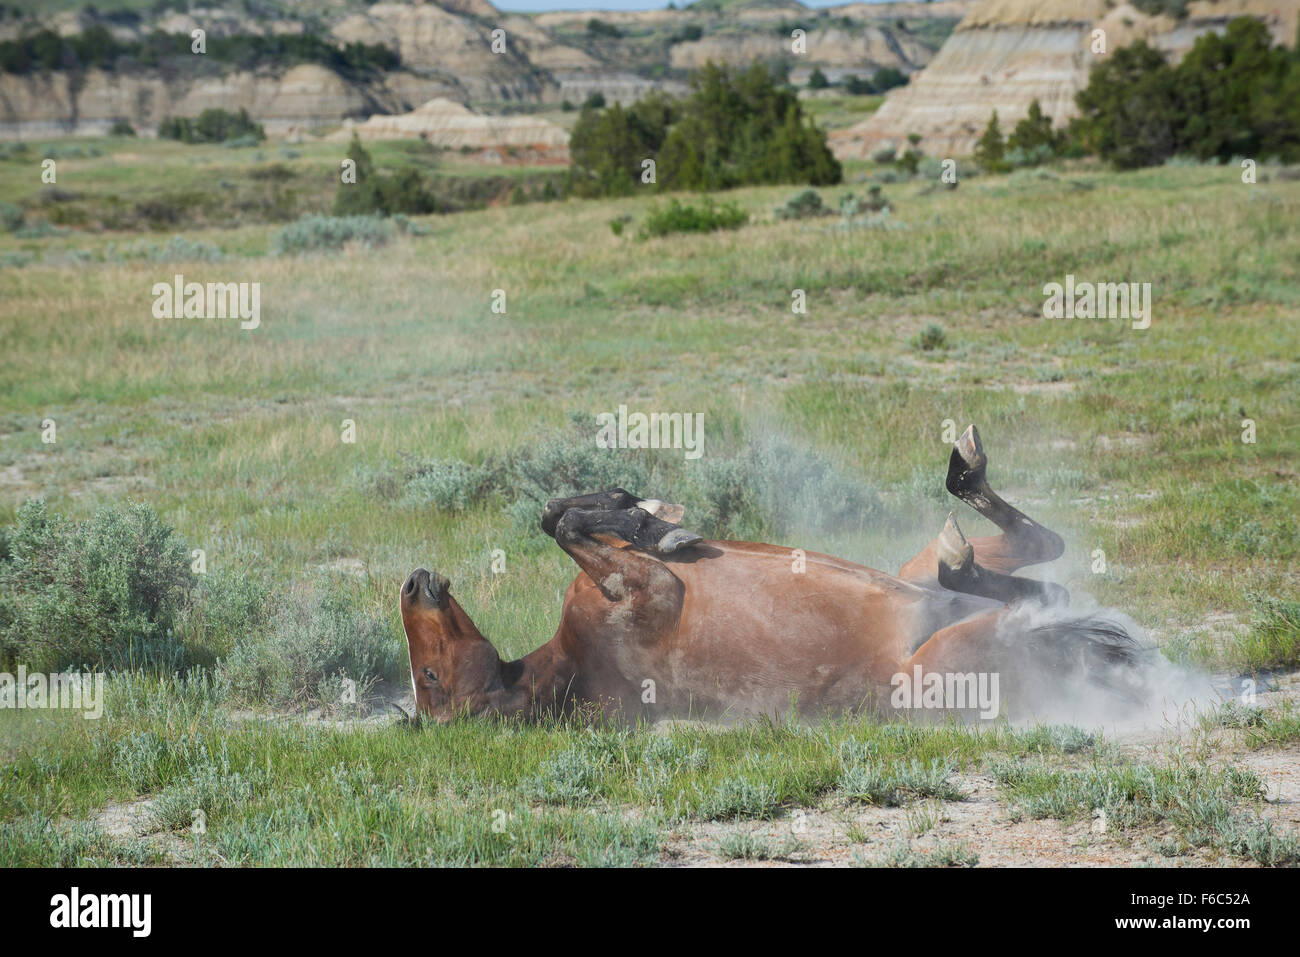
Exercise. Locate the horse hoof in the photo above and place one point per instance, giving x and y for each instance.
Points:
(953, 549)
(676, 540)
(971, 450)
(967, 463)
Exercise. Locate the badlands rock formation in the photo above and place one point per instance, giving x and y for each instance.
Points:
(859, 52)
(300, 98)
(445, 123)
(446, 50)
(431, 40)
(1007, 53)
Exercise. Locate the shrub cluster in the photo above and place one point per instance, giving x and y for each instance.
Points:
(735, 128)
(108, 592)
(678, 217)
(404, 191)
(322, 637)
(213, 125)
(316, 233)
(1233, 94)
(751, 488)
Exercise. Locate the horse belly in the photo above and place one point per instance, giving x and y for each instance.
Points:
(757, 655)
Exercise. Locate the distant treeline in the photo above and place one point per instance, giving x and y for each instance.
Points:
(736, 127)
(97, 47)
(1234, 94)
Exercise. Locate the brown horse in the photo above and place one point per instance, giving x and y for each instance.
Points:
(661, 624)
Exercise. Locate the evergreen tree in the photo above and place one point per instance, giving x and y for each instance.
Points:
(364, 196)
(1129, 112)
(1034, 133)
(990, 149)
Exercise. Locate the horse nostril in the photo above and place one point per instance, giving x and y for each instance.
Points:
(410, 586)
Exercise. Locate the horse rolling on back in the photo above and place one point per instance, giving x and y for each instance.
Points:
(660, 623)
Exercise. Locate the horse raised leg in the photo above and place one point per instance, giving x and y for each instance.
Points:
(983, 565)
(645, 596)
(958, 571)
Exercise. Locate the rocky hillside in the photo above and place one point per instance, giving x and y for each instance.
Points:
(442, 49)
(1006, 53)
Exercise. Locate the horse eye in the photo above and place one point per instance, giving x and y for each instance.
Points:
(430, 675)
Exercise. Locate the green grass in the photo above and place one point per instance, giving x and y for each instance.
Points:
(1128, 442)
(1206, 806)
(295, 793)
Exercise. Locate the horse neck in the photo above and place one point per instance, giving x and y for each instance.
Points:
(540, 681)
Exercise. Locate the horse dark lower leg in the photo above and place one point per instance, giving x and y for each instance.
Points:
(1022, 542)
(614, 499)
(959, 571)
(634, 525)
(645, 592)
(1025, 542)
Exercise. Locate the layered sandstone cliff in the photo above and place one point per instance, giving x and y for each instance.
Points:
(447, 50)
(448, 124)
(1007, 53)
(294, 101)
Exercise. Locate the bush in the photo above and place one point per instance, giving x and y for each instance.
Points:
(930, 338)
(213, 125)
(858, 86)
(851, 206)
(176, 249)
(404, 191)
(888, 77)
(802, 205)
(990, 150)
(321, 635)
(677, 217)
(448, 485)
(121, 128)
(313, 233)
(1018, 158)
(1233, 94)
(608, 147)
(744, 488)
(11, 217)
(101, 593)
(1033, 138)
(225, 609)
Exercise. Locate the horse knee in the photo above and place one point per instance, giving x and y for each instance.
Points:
(569, 528)
(1037, 543)
(552, 514)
